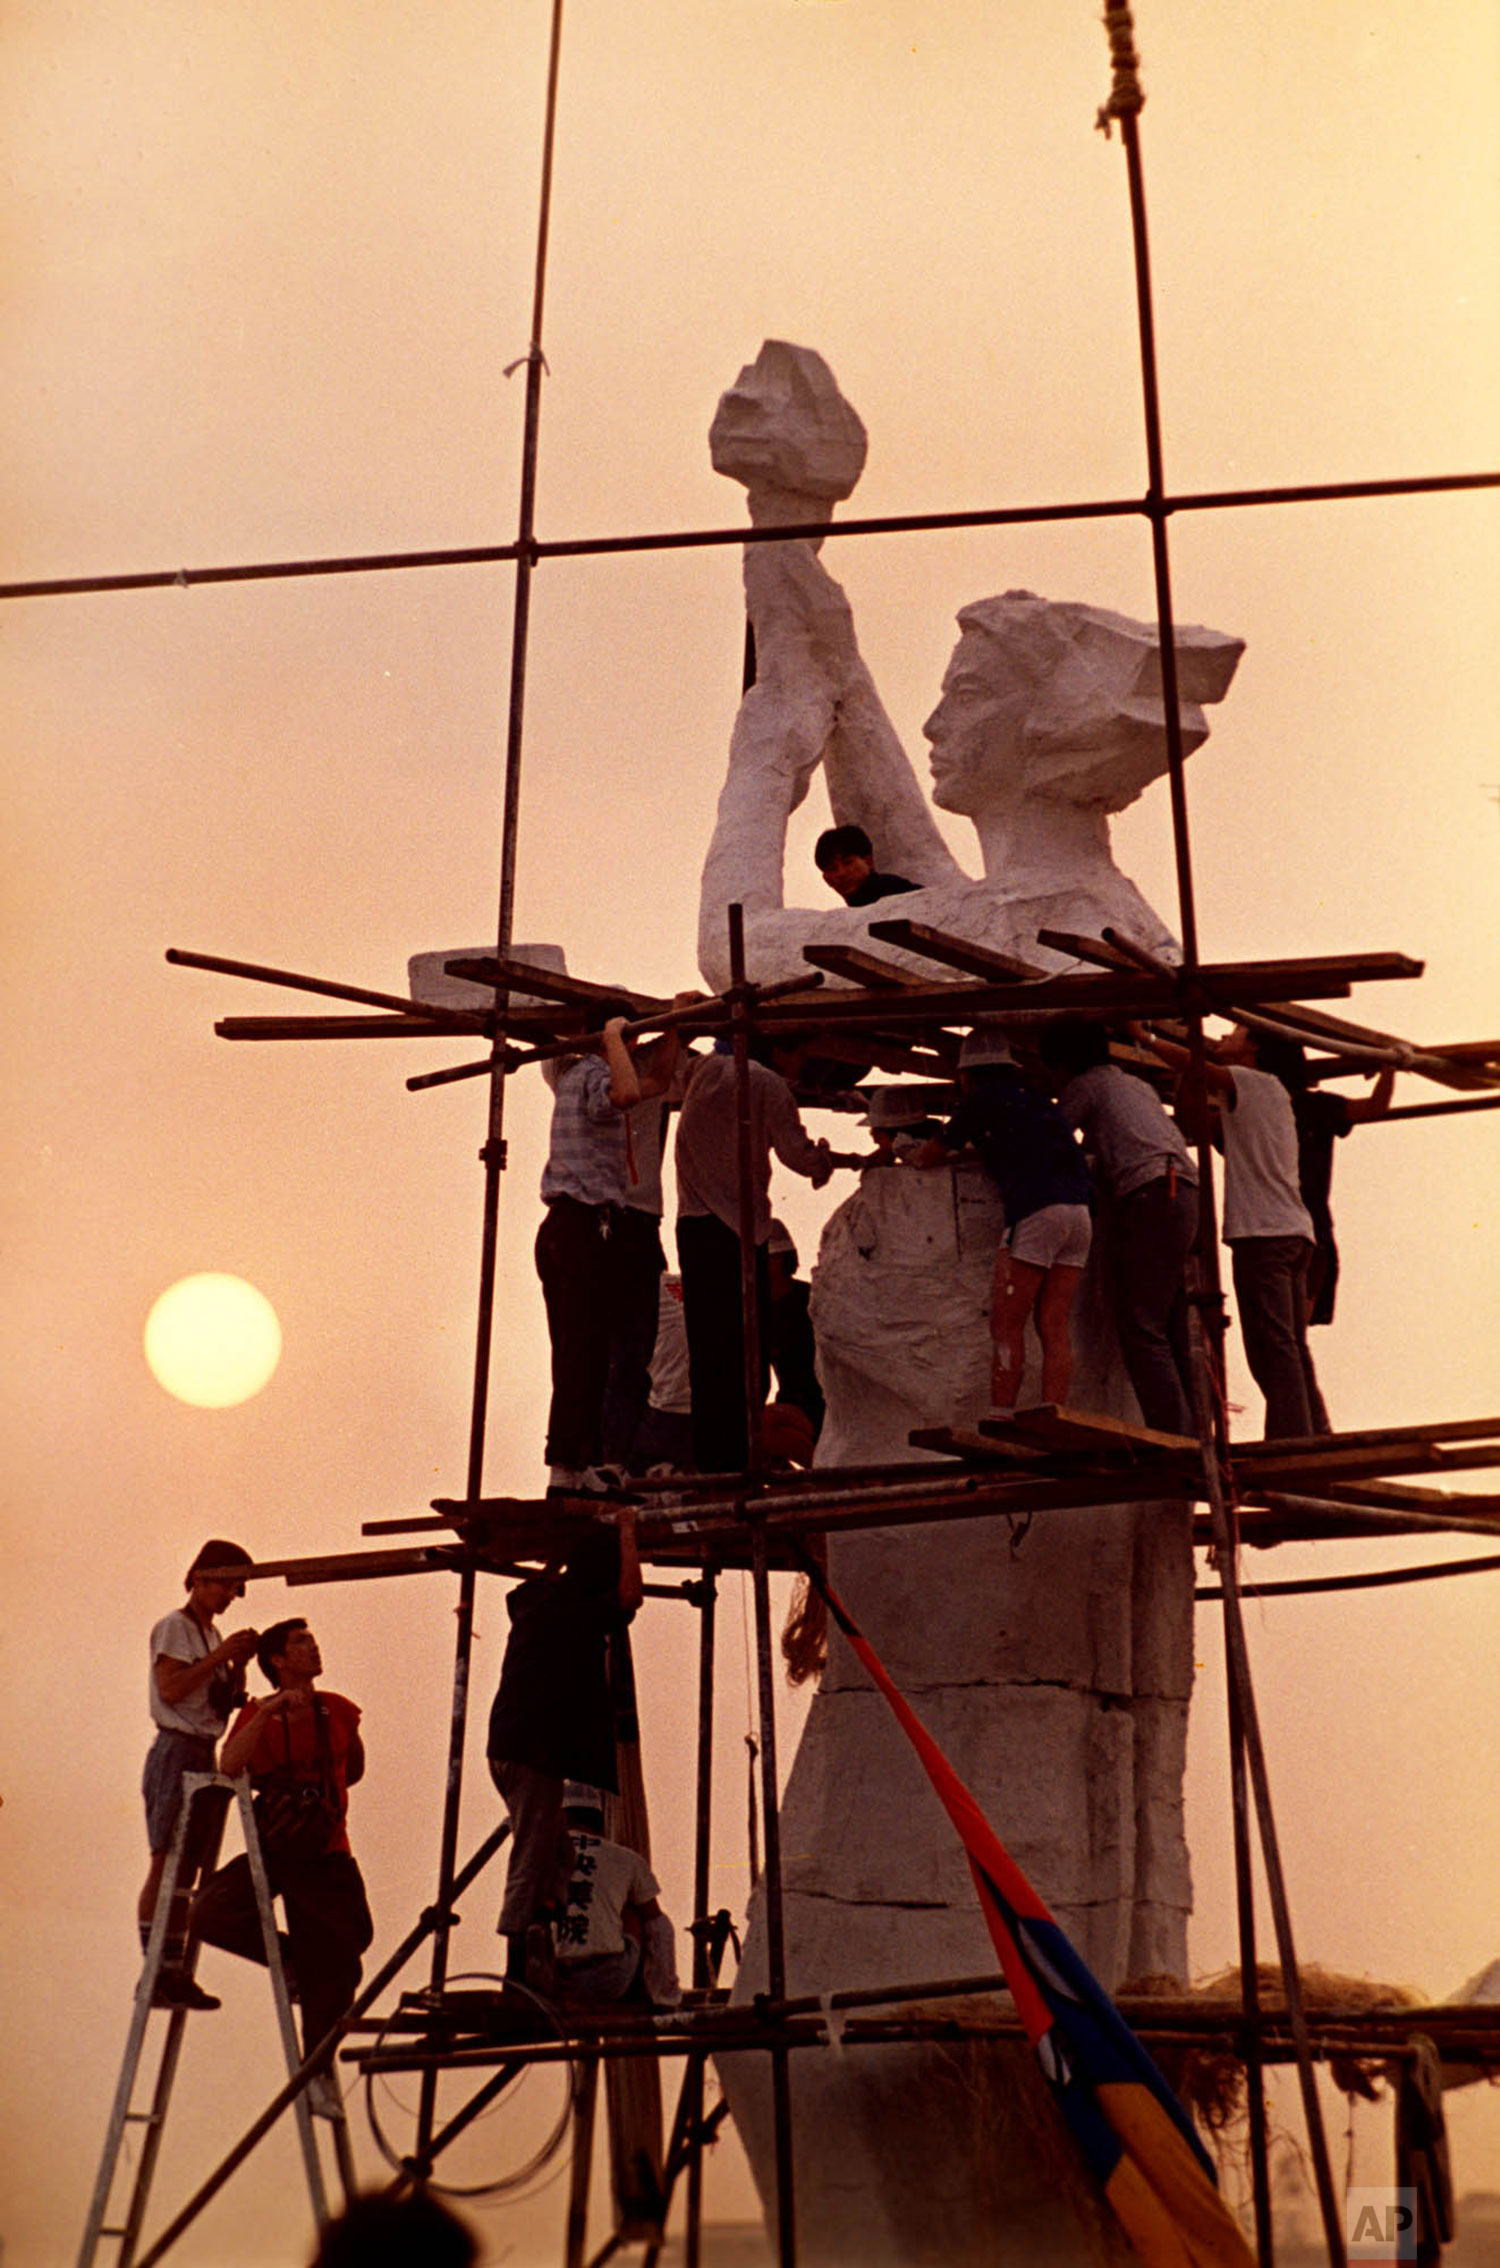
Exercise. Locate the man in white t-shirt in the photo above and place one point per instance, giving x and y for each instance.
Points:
(612, 1927)
(196, 1679)
(1267, 1228)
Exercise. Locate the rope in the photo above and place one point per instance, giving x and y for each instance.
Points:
(1126, 95)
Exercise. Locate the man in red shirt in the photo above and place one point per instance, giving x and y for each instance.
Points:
(303, 1752)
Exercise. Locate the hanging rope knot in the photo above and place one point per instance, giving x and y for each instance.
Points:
(533, 354)
(1126, 95)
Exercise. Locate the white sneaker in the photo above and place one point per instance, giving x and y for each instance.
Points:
(605, 1480)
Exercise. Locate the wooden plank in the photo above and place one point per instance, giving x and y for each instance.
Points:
(1315, 1516)
(1115, 992)
(548, 984)
(859, 967)
(341, 1028)
(1440, 1429)
(955, 952)
(1294, 1469)
(340, 1567)
(1311, 1475)
(456, 1019)
(1437, 1064)
(1436, 1110)
(961, 1441)
(1052, 1426)
(1137, 953)
(1084, 948)
(1400, 1496)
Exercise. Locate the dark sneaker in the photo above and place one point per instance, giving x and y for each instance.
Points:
(174, 1990)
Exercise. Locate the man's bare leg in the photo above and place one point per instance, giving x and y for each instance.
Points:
(1017, 1284)
(1053, 1308)
(146, 1905)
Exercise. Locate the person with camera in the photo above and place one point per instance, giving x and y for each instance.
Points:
(303, 1751)
(197, 1678)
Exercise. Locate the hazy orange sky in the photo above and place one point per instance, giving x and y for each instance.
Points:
(266, 266)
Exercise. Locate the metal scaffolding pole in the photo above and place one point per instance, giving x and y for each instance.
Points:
(705, 1594)
(1246, 1750)
(742, 1000)
(493, 1152)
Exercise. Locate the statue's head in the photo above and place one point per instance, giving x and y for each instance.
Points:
(1048, 698)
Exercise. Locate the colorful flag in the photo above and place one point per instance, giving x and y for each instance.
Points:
(1135, 2136)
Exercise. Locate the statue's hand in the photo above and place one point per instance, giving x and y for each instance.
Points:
(788, 508)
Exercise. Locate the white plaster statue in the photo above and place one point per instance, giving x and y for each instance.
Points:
(1051, 718)
(1054, 1670)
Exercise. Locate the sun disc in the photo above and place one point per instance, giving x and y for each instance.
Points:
(212, 1340)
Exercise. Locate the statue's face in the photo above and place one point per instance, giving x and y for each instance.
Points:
(976, 729)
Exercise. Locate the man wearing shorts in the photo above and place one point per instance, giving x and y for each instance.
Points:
(1027, 1148)
(196, 1679)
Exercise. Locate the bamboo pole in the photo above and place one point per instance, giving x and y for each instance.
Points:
(493, 1153)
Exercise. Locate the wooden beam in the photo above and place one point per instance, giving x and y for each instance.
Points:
(955, 952)
(1107, 993)
(338, 1027)
(1050, 1426)
(1448, 1067)
(1306, 1474)
(341, 1567)
(454, 1019)
(1436, 1109)
(1482, 1051)
(963, 1441)
(547, 984)
(859, 967)
(1398, 1496)
(1440, 1429)
(1084, 948)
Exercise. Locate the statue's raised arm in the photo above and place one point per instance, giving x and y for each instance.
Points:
(1051, 718)
(786, 432)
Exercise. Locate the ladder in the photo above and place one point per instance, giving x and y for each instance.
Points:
(206, 1797)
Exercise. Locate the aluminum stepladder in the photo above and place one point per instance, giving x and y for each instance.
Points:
(206, 1797)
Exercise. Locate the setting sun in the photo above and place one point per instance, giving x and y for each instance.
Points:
(212, 1340)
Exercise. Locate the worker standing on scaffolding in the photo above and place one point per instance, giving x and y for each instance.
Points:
(640, 1261)
(1145, 1174)
(196, 1679)
(708, 1228)
(1027, 1149)
(1322, 1119)
(583, 1244)
(1267, 1228)
(553, 1720)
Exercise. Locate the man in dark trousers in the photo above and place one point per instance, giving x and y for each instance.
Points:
(297, 1740)
(1149, 1185)
(197, 1677)
(708, 1230)
(553, 1720)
